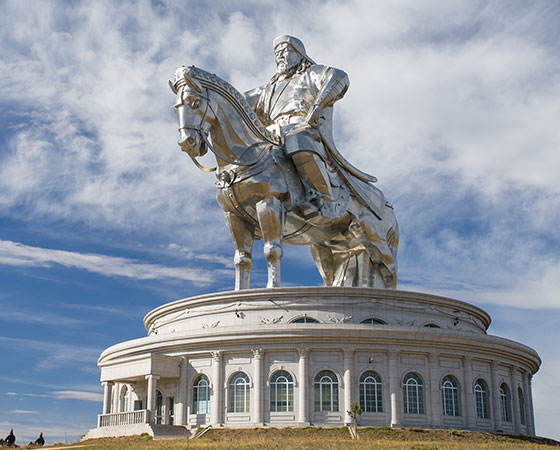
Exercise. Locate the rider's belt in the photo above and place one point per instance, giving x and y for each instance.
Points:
(282, 122)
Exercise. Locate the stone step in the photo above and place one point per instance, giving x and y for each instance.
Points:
(169, 432)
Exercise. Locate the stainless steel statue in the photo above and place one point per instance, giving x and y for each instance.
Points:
(279, 174)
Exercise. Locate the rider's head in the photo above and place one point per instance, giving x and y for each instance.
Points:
(290, 54)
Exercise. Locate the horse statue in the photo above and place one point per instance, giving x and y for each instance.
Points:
(259, 191)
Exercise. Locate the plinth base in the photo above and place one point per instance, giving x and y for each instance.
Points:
(287, 356)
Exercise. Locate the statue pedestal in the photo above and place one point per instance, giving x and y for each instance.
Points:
(292, 356)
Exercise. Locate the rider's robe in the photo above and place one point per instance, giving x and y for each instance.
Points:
(284, 103)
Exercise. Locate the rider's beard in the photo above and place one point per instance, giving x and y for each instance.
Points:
(283, 68)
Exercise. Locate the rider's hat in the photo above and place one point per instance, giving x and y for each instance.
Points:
(295, 43)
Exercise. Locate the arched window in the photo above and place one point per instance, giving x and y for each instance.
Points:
(413, 394)
(201, 395)
(505, 403)
(239, 393)
(481, 400)
(374, 321)
(326, 391)
(450, 396)
(159, 408)
(124, 399)
(521, 406)
(305, 319)
(371, 397)
(431, 325)
(281, 392)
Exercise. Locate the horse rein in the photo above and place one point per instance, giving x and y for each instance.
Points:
(199, 129)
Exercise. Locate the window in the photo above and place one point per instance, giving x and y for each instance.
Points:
(431, 325)
(159, 408)
(201, 395)
(521, 406)
(413, 394)
(374, 322)
(505, 403)
(124, 399)
(371, 397)
(170, 410)
(305, 319)
(481, 400)
(326, 391)
(281, 392)
(450, 396)
(239, 388)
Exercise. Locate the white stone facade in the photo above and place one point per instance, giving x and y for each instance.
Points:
(419, 360)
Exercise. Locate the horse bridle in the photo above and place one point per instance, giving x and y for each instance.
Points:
(204, 135)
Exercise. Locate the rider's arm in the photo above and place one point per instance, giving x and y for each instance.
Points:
(255, 99)
(333, 86)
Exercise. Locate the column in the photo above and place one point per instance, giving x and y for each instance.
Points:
(496, 407)
(531, 416)
(303, 403)
(217, 389)
(468, 392)
(515, 399)
(151, 396)
(348, 379)
(115, 397)
(394, 383)
(107, 389)
(181, 418)
(435, 390)
(257, 388)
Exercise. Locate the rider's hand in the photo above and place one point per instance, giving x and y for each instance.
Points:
(313, 116)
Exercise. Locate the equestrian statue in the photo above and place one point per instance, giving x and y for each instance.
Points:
(280, 177)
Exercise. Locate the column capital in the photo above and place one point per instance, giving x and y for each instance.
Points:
(392, 353)
(303, 352)
(258, 353)
(107, 383)
(433, 356)
(494, 364)
(217, 355)
(348, 352)
(467, 359)
(151, 376)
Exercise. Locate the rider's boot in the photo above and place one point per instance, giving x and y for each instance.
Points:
(318, 207)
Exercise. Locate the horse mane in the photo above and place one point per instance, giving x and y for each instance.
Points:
(235, 99)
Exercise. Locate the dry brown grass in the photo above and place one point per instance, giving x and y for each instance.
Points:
(327, 439)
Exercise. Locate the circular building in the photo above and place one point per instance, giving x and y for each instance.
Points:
(299, 356)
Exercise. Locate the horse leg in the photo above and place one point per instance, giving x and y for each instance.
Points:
(366, 277)
(323, 257)
(242, 237)
(271, 215)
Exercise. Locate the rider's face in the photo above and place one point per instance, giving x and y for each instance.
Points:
(286, 57)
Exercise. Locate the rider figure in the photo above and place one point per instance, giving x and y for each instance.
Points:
(297, 104)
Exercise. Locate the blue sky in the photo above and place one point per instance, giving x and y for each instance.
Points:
(453, 105)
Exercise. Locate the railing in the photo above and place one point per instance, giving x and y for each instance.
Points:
(123, 418)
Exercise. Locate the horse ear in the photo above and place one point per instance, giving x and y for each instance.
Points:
(192, 83)
(172, 86)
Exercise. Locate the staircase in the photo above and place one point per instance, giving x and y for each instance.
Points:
(169, 432)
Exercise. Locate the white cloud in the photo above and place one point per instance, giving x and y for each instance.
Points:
(78, 395)
(49, 355)
(452, 105)
(23, 411)
(16, 254)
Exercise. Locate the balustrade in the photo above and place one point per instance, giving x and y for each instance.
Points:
(123, 418)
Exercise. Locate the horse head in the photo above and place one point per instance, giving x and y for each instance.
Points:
(191, 107)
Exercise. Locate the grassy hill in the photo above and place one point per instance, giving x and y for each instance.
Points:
(328, 438)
